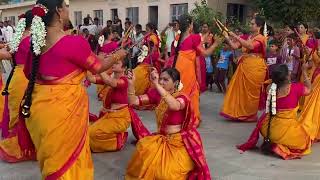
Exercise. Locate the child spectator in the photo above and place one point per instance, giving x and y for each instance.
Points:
(226, 56)
(273, 56)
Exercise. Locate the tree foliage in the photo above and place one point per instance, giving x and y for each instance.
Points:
(203, 14)
(290, 11)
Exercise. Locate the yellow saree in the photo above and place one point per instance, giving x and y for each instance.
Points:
(142, 74)
(241, 101)
(288, 135)
(59, 118)
(160, 156)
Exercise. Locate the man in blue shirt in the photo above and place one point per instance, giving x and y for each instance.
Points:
(226, 56)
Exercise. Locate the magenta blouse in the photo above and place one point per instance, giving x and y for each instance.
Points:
(24, 48)
(291, 101)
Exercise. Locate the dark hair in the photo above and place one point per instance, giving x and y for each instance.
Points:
(107, 33)
(128, 23)
(185, 21)
(86, 21)
(279, 76)
(152, 27)
(176, 21)
(138, 26)
(173, 73)
(96, 19)
(52, 6)
(275, 42)
(303, 24)
(260, 21)
(293, 36)
(85, 29)
(28, 16)
(109, 21)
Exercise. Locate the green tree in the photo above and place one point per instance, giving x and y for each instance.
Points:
(203, 14)
(290, 11)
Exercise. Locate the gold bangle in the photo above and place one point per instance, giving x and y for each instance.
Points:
(131, 94)
(116, 57)
(166, 95)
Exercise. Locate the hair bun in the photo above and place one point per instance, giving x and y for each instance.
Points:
(39, 10)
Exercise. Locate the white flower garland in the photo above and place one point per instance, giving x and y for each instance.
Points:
(176, 41)
(101, 40)
(144, 53)
(38, 34)
(21, 27)
(159, 36)
(272, 96)
(265, 30)
(180, 87)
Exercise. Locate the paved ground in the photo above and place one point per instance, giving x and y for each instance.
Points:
(219, 138)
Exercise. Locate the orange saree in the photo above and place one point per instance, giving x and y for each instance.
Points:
(241, 101)
(168, 156)
(58, 121)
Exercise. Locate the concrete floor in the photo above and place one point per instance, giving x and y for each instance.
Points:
(220, 138)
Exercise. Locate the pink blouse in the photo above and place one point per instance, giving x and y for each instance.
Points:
(109, 47)
(291, 101)
(258, 43)
(69, 54)
(23, 50)
(174, 117)
(190, 43)
(117, 95)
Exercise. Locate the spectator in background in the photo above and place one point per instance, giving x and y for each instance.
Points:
(226, 56)
(273, 56)
(127, 20)
(2, 32)
(90, 27)
(138, 37)
(8, 32)
(291, 57)
(117, 23)
(68, 28)
(96, 22)
(127, 25)
(89, 37)
(171, 31)
(109, 25)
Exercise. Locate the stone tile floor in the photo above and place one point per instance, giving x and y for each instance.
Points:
(220, 138)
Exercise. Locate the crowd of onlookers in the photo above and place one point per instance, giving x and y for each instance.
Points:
(7, 30)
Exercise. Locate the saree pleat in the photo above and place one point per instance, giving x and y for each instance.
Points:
(58, 127)
(142, 75)
(287, 134)
(187, 67)
(310, 115)
(175, 156)
(241, 101)
(109, 133)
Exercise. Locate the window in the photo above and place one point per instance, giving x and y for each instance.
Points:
(13, 20)
(177, 10)
(114, 12)
(78, 18)
(99, 14)
(133, 14)
(236, 11)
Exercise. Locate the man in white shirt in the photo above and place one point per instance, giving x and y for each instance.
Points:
(137, 38)
(92, 28)
(8, 32)
(171, 31)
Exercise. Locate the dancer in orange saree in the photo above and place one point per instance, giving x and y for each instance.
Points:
(241, 101)
(175, 151)
(109, 132)
(10, 146)
(283, 134)
(55, 106)
(311, 111)
(147, 60)
(184, 59)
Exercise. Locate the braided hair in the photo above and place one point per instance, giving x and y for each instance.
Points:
(184, 22)
(279, 76)
(28, 16)
(51, 5)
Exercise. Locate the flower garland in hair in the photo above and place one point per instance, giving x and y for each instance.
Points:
(101, 40)
(38, 28)
(177, 37)
(21, 27)
(272, 96)
(144, 53)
